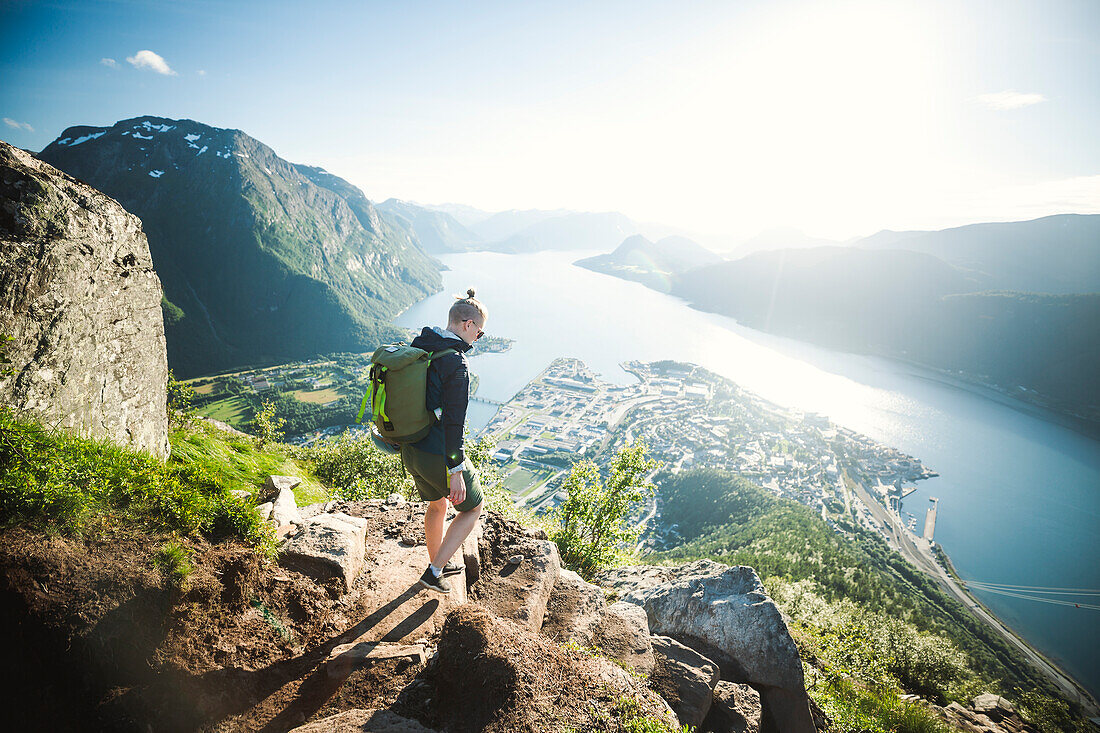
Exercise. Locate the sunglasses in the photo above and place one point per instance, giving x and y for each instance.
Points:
(480, 333)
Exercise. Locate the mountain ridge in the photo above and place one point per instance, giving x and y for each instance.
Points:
(265, 258)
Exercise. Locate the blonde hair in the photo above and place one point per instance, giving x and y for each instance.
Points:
(467, 308)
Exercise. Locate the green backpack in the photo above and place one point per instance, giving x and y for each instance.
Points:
(398, 385)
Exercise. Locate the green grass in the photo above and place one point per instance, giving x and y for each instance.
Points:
(174, 561)
(238, 463)
(855, 708)
(52, 479)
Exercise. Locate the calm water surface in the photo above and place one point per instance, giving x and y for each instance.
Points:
(1019, 495)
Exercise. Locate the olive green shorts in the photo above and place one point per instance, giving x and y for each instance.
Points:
(429, 473)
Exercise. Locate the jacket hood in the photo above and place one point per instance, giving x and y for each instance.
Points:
(437, 339)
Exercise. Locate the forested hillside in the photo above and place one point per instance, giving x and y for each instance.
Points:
(727, 518)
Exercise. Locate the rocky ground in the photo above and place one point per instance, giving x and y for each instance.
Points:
(339, 635)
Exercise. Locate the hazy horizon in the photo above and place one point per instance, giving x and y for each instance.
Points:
(723, 119)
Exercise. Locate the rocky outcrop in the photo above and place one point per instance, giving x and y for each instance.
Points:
(363, 721)
(79, 295)
(684, 678)
(985, 714)
(493, 674)
(724, 613)
(578, 613)
(519, 591)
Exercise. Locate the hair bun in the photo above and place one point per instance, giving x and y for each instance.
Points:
(470, 293)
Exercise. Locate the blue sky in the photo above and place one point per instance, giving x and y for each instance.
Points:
(840, 118)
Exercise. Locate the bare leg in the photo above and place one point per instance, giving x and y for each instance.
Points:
(434, 519)
(460, 528)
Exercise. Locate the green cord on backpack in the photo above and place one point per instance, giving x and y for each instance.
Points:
(398, 385)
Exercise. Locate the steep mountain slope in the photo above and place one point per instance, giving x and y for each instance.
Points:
(836, 295)
(260, 259)
(916, 307)
(437, 231)
(651, 263)
(1054, 254)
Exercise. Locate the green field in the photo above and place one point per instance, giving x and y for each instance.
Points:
(521, 479)
(232, 410)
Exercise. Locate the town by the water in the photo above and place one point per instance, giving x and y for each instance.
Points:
(688, 417)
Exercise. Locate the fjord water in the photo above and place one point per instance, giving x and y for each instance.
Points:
(1019, 493)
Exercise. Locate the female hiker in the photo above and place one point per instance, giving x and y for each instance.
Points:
(437, 464)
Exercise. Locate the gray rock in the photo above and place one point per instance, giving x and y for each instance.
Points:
(639, 577)
(285, 508)
(264, 510)
(993, 706)
(576, 612)
(274, 484)
(80, 297)
(327, 546)
(363, 721)
(515, 559)
(395, 499)
(312, 510)
(684, 678)
(729, 613)
(735, 709)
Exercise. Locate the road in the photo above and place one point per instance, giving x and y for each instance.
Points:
(920, 555)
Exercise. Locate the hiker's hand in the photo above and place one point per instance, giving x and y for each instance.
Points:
(458, 488)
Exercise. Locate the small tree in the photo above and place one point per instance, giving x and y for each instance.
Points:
(593, 527)
(180, 396)
(269, 429)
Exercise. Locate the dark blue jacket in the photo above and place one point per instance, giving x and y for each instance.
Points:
(448, 388)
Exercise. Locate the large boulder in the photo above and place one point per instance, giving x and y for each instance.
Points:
(685, 678)
(735, 709)
(80, 298)
(727, 615)
(327, 546)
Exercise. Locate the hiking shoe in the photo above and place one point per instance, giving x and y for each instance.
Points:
(453, 568)
(429, 581)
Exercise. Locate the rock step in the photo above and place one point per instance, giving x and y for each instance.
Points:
(346, 658)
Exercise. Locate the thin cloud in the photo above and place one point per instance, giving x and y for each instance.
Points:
(109, 63)
(147, 59)
(201, 72)
(18, 125)
(1009, 100)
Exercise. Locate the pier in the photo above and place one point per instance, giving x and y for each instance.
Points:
(930, 520)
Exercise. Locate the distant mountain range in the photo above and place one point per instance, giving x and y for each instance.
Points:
(1055, 254)
(437, 231)
(651, 263)
(261, 259)
(513, 232)
(1012, 305)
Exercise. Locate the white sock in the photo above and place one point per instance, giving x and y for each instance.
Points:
(436, 571)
